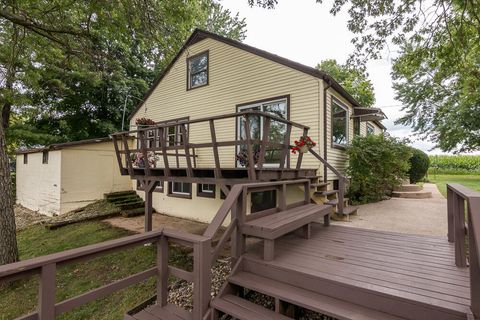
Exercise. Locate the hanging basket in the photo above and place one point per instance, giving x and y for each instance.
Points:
(303, 149)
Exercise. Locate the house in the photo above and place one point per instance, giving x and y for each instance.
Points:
(62, 177)
(213, 75)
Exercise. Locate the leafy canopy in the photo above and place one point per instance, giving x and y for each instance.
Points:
(354, 80)
(436, 71)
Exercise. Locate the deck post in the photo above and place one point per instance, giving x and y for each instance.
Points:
(341, 195)
(459, 222)
(474, 208)
(46, 294)
(300, 155)
(286, 148)
(451, 230)
(251, 160)
(216, 157)
(162, 271)
(149, 187)
(201, 278)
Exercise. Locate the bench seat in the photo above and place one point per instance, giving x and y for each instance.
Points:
(278, 224)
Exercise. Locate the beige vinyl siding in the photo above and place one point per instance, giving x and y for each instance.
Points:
(363, 128)
(235, 77)
(378, 130)
(38, 184)
(88, 172)
(335, 156)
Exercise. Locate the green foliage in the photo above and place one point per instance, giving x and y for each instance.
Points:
(419, 163)
(377, 164)
(72, 70)
(354, 80)
(77, 278)
(471, 181)
(458, 164)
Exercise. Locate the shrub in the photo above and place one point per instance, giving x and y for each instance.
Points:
(458, 164)
(377, 164)
(419, 163)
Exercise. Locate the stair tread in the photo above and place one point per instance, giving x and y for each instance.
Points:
(168, 312)
(320, 184)
(334, 202)
(245, 310)
(326, 193)
(349, 210)
(308, 299)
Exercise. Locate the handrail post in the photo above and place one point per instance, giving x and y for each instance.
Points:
(216, 157)
(263, 147)
(300, 155)
(451, 230)
(46, 294)
(474, 259)
(143, 148)
(459, 223)
(341, 194)
(251, 161)
(201, 278)
(162, 271)
(286, 147)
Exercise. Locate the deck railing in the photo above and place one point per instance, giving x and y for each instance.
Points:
(152, 141)
(464, 231)
(47, 266)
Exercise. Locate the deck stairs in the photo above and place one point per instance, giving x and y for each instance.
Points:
(129, 202)
(320, 193)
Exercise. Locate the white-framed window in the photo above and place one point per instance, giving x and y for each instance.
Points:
(339, 125)
(277, 107)
(370, 129)
(180, 189)
(197, 70)
(25, 158)
(206, 190)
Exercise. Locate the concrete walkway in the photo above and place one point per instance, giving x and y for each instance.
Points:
(412, 216)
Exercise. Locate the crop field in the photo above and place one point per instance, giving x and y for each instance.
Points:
(458, 164)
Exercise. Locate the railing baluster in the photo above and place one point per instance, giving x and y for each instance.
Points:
(251, 162)
(451, 227)
(213, 134)
(46, 294)
(163, 146)
(162, 271)
(300, 155)
(286, 147)
(474, 259)
(459, 222)
(183, 131)
(128, 155)
(143, 148)
(123, 170)
(263, 146)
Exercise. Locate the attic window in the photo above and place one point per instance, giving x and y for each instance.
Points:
(197, 70)
(45, 157)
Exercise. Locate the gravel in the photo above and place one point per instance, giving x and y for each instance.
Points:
(180, 294)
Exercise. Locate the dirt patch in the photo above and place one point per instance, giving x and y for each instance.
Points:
(137, 224)
(25, 217)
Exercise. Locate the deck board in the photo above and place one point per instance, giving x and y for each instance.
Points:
(420, 269)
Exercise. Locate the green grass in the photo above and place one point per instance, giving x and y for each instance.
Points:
(21, 297)
(471, 181)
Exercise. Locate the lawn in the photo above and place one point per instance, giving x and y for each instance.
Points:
(471, 181)
(21, 297)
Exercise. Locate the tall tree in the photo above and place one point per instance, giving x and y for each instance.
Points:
(437, 69)
(67, 68)
(354, 80)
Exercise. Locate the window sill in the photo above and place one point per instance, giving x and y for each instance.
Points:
(206, 195)
(339, 146)
(196, 87)
(180, 195)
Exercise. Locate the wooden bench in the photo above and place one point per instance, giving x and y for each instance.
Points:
(275, 225)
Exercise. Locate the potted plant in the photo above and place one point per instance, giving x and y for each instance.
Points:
(242, 156)
(139, 161)
(303, 144)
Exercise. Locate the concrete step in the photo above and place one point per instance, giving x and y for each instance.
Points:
(412, 194)
(326, 193)
(409, 188)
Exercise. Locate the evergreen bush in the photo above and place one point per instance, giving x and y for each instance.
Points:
(419, 163)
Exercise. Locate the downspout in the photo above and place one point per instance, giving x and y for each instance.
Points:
(329, 84)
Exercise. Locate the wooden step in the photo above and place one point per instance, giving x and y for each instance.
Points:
(318, 185)
(326, 193)
(307, 299)
(155, 312)
(244, 310)
(350, 210)
(334, 202)
(375, 294)
(412, 194)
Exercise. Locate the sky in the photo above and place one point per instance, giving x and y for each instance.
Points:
(306, 32)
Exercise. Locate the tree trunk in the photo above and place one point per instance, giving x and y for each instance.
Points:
(8, 237)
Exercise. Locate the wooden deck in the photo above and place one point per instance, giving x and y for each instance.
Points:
(411, 277)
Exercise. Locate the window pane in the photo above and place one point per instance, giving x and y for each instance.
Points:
(339, 124)
(198, 79)
(370, 129)
(277, 130)
(208, 188)
(198, 64)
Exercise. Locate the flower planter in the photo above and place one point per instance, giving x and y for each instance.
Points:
(304, 149)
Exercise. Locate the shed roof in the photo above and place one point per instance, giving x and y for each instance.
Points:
(59, 146)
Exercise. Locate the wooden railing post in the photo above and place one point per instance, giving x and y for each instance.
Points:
(163, 145)
(128, 158)
(300, 155)
(451, 227)
(149, 187)
(162, 271)
(459, 223)
(286, 147)
(216, 157)
(186, 143)
(143, 148)
(202, 278)
(117, 152)
(474, 258)
(341, 194)
(251, 161)
(263, 146)
(46, 294)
